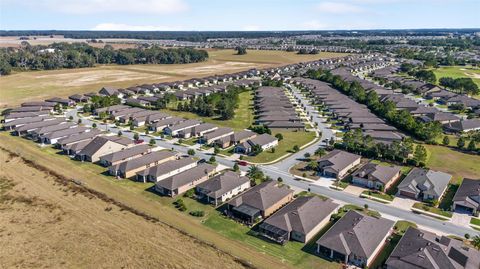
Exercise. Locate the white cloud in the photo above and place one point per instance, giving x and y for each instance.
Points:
(127, 27)
(113, 6)
(339, 8)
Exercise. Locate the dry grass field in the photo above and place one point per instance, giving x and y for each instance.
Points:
(38, 85)
(87, 222)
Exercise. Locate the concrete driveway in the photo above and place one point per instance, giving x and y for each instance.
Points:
(355, 190)
(403, 203)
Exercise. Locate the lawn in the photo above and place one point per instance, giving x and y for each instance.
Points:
(243, 114)
(475, 221)
(290, 138)
(379, 195)
(342, 211)
(448, 160)
(433, 210)
(458, 72)
(39, 85)
(300, 169)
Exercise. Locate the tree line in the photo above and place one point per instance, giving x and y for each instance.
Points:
(222, 104)
(401, 119)
(460, 85)
(78, 55)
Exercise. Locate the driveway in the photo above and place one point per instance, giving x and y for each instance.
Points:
(461, 219)
(403, 203)
(355, 190)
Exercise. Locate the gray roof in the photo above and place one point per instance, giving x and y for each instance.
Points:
(302, 215)
(186, 177)
(126, 153)
(338, 159)
(169, 166)
(204, 127)
(37, 125)
(54, 128)
(262, 139)
(20, 115)
(377, 172)
(80, 137)
(429, 181)
(419, 249)
(184, 124)
(464, 125)
(221, 184)
(469, 192)
(66, 132)
(356, 233)
(241, 135)
(218, 132)
(98, 143)
(28, 120)
(143, 160)
(262, 196)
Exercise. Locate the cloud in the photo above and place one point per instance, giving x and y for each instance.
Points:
(314, 25)
(113, 6)
(339, 8)
(251, 28)
(127, 27)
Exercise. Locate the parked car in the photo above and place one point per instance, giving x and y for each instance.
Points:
(242, 163)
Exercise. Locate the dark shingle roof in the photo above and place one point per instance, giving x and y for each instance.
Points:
(221, 184)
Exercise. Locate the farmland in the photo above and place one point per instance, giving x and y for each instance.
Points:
(38, 85)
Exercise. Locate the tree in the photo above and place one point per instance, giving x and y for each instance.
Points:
(216, 150)
(365, 206)
(312, 165)
(119, 133)
(296, 148)
(420, 154)
(320, 152)
(136, 136)
(280, 179)
(279, 136)
(79, 121)
(307, 155)
(461, 143)
(94, 125)
(152, 142)
(446, 141)
(191, 152)
(241, 50)
(212, 160)
(236, 168)
(255, 173)
(471, 145)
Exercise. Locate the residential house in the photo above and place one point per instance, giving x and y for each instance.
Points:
(161, 124)
(102, 145)
(53, 137)
(260, 201)
(165, 170)
(467, 197)
(209, 138)
(376, 176)
(338, 163)
(222, 187)
(124, 155)
(419, 249)
(463, 126)
(242, 136)
(355, 239)
(129, 168)
(184, 181)
(424, 184)
(264, 141)
(299, 220)
(173, 130)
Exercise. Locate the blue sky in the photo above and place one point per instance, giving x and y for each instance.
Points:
(237, 15)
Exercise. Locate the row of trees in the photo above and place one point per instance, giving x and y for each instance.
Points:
(221, 104)
(460, 85)
(403, 152)
(402, 119)
(101, 101)
(77, 55)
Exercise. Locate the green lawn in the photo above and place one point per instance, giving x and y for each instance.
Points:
(458, 72)
(290, 138)
(243, 114)
(475, 221)
(342, 211)
(401, 226)
(379, 195)
(458, 164)
(447, 200)
(431, 209)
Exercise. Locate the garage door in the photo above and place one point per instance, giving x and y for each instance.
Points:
(463, 209)
(407, 194)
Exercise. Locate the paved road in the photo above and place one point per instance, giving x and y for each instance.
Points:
(280, 169)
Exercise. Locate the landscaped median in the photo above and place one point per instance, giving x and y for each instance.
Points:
(431, 211)
(377, 196)
(475, 223)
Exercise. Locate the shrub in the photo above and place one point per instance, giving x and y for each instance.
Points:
(197, 213)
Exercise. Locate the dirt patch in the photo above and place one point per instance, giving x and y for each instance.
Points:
(49, 221)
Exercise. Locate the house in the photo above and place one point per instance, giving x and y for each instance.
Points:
(209, 138)
(467, 197)
(61, 101)
(202, 129)
(337, 163)
(419, 249)
(242, 136)
(220, 188)
(53, 137)
(264, 141)
(102, 145)
(110, 91)
(22, 121)
(27, 128)
(86, 136)
(184, 181)
(39, 104)
(260, 201)
(463, 126)
(124, 155)
(173, 130)
(161, 124)
(78, 98)
(376, 176)
(424, 184)
(300, 220)
(355, 239)
(38, 133)
(11, 116)
(166, 169)
(129, 168)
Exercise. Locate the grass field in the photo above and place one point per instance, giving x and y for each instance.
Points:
(458, 72)
(38, 85)
(243, 115)
(456, 163)
(285, 146)
(139, 197)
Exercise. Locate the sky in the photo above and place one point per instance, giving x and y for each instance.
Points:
(244, 15)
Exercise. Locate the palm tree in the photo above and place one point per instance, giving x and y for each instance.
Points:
(476, 241)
